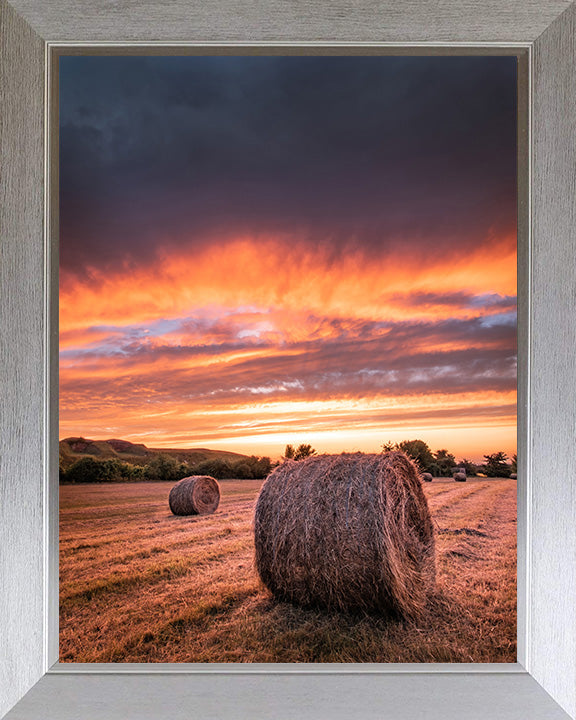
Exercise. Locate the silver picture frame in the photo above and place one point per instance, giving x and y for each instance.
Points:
(542, 684)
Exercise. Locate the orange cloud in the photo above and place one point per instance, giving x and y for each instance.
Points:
(256, 343)
(281, 274)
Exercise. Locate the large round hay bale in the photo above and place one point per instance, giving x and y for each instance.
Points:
(348, 532)
(460, 477)
(426, 477)
(195, 495)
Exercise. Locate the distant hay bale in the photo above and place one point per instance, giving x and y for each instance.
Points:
(460, 477)
(513, 476)
(195, 495)
(427, 477)
(347, 532)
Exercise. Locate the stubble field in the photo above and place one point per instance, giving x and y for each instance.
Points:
(138, 584)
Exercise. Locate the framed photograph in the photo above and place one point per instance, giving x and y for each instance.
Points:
(51, 55)
(288, 288)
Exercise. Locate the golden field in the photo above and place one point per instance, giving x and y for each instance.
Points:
(138, 584)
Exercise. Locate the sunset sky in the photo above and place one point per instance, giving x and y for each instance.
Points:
(258, 251)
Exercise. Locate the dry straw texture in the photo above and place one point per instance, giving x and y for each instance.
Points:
(195, 495)
(427, 477)
(347, 532)
(460, 477)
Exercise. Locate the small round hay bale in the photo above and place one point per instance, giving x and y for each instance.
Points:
(195, 495)
(347, 532)
(460, 477)
(513, 476)
(426, 477)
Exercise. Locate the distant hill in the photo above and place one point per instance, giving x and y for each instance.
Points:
(74, 448)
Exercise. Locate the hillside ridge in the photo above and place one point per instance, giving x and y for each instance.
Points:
(76, 447)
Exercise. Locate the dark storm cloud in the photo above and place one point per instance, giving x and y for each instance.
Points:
(366, 152)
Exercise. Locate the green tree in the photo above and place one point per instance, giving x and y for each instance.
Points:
(299, 453)
(242, 470)
(304, 451)
(445, 462)
(496, 465)
(115, 469)
(262, 467)
(118, 470)
(165, 468)
(215, 467)
(419, 451)
(289, 452)
(86, 470)
(135, 472)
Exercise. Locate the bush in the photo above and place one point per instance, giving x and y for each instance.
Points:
(262, 467)
(243, 470)
(86, 470)
(214, 467)
(253, 467)
(445, 462)
(162, 468)
(166, 468)
(90, 470)
(496, 465)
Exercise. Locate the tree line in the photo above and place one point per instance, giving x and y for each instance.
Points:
(167, 468)
(162, 468)
(442, 463)
(439, 464)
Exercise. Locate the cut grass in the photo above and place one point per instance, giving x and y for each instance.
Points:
(138, 585)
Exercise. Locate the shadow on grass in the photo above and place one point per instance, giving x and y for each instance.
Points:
(295, 634)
